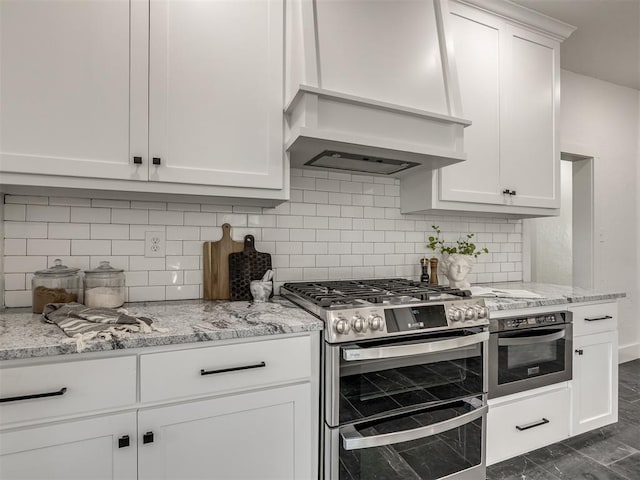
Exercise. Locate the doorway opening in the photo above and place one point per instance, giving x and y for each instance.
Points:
(561, 249)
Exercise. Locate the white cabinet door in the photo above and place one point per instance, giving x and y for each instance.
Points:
(530, 153)
(595, 381)
(75, 450)
(260, 435)
(477, 44)
(216, 92)
(73, 88)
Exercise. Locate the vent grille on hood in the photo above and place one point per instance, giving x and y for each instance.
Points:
(361, 163)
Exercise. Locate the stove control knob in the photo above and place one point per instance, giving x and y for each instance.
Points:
(455, 314)
(375, 322)
(359, 324)
(341, 326)
(483, 312)
(470, 313)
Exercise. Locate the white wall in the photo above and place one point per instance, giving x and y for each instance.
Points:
(601, 119)
(337, 226)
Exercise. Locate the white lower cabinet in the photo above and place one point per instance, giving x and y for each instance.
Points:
(517, 424)
(260, 435)
(595, 367)
(91, 449)
(232, 417)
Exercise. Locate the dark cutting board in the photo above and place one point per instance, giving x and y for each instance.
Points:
(246, 266)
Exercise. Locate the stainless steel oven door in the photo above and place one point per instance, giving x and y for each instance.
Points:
(442, 441)
(370, 379)
(530, 358)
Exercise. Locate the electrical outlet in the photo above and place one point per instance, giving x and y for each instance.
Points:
(154, 244)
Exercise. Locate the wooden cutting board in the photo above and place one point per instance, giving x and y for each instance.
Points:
(216, 265)
(246, 266)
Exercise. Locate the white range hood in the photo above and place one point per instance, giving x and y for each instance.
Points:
(371, 87)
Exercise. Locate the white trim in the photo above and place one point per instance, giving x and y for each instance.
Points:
(626, 353)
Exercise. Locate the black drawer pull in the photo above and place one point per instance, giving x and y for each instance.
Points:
(595, 319)
(579, 351)
(156, 160)
(147, 437)
(532, 425)
(506, 191)
(232, 369)
(137, 160)
(35, 395)
(124, 441)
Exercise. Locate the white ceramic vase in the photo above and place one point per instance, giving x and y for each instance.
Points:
(455, 268)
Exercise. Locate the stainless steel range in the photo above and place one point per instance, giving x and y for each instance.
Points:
(405, 378)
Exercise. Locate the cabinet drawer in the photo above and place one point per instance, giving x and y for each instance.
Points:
(594, 318)
(38, 392)
(222, 369)
(514, 428)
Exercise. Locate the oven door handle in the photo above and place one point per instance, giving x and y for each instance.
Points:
(355, 353)
(353, 440)
(516, 341)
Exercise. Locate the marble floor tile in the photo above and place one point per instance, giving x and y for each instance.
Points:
(629, 466)
(518, 468)
(600, 445)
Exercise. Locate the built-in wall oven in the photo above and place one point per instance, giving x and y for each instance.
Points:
(405, 383)
(529, 352)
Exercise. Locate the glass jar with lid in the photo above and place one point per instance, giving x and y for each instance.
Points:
(57, 284)
(104, 286)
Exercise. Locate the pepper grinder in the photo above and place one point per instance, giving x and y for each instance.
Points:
(434, 271)
(424, 262)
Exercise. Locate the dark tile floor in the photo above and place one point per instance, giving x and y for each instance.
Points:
(609, 453)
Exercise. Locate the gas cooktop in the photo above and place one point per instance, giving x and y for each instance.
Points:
(356, 310)
(395, 291)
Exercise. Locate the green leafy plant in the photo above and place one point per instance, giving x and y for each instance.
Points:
(462, 247)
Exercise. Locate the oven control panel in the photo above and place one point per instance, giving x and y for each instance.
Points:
(518, 323)
(371, 322)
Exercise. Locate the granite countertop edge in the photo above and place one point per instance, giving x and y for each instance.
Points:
(25, 335)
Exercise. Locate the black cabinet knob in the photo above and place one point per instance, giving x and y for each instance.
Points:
(137, 160)
(147, 437)
(579, 351)
(506, 191)
(156, 160)
(124, 441)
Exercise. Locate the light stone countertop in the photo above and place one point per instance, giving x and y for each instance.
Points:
(553, 295)
(25, 335)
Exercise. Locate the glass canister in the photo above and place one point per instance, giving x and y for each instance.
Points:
(57, 284)
(104, 286)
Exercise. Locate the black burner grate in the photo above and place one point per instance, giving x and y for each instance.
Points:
(350, 292)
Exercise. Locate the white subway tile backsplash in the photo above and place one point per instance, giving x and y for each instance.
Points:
(17, 213)
(337, 226)
(128, 217)
(90, 215)
(127, 247)
(105, 231)
(90, 247)
(15, 246)
(165, 217)
(38, 246)
(45, 213)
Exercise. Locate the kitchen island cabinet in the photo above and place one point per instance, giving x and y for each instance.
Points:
(508, 67)
(136, 96)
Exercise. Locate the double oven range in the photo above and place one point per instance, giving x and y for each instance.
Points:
(405, 379)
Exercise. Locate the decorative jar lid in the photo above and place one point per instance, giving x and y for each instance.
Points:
(104, 268)
(58, 269)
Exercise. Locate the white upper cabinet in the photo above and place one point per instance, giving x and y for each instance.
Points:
(73, 87)
(216, 92)
(508, 68)
(158, 96)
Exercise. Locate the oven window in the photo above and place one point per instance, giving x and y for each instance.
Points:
(373, 387)
(425, 458)
(530, 353)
